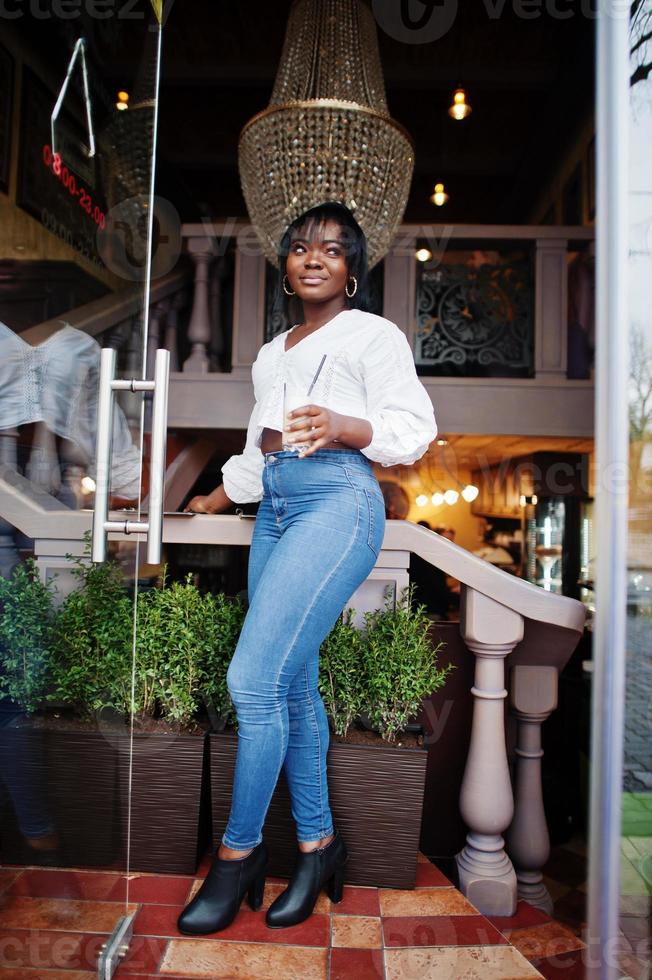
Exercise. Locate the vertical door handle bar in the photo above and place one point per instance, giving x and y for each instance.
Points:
(101, 523)
(157, 459)
(108, 359)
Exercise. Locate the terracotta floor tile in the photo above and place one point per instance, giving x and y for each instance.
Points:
(471, 962)
(157, 920)
(143, 957)
(572, 907)
(526, 915)
(357, 964)
(41, 949)
(49, 883)
(7, 878)
(422, 858)
(154, 889)
(545, 940)
(440, 930)
(201, 958)
(358, 931)
(61, 913)
(428, 875)
(438, 901)
(357, 900)
(566, 966)
(251, 927)
(23, 973)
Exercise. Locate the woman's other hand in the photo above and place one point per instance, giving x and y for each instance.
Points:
(214, 503)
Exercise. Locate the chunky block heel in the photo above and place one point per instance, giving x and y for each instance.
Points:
(256, 892)
(335, 886)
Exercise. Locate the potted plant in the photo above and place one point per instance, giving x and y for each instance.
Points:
(376, 778)
(105, 702)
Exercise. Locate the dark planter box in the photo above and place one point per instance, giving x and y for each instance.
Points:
(83, 777)
(376, 797)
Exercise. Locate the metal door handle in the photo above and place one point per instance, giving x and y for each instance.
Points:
(101, 523)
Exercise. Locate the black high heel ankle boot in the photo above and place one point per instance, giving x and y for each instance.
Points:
(216, 904)
(313, 869)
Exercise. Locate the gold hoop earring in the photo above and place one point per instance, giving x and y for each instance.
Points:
(288, 292)
(355, 287)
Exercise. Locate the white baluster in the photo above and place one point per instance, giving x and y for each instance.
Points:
(199, 329)
(9, 557)
(217, 331)
(157, 314)
(43, 466)
(172, 328)
(533, 696)
(130, 401)
(487, 878)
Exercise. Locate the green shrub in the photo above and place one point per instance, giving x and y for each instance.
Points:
(93, 641)
(341, 680)
(26, 614)
(399, 664)
(184, 642)
(229, 617)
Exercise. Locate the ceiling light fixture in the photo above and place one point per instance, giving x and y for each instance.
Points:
(423, 255)
(122, 102)
(439, 197)
(460, 108)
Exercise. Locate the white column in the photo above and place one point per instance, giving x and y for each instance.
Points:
(199, 328)
(551, 307)
(533, 693)
(491, 631)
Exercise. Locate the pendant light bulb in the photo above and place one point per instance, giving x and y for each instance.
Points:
(421, 500)
(470, 492)
(451, 497)
(460, 108)
(440, 196)
(437, 499)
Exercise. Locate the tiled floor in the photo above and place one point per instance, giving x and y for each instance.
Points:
(53, 922)
(565, 877)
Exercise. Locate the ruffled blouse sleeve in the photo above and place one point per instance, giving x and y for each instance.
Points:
(398, 406)
(242, 475)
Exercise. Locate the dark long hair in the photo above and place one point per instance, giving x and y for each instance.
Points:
(355, 245)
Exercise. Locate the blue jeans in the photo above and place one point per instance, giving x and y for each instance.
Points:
(318, 532)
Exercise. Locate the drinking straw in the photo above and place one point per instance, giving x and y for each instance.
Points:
(314, 380)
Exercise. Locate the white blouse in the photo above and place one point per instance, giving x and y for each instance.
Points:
(368, 373)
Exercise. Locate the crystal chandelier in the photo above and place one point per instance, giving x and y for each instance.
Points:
(327, 133)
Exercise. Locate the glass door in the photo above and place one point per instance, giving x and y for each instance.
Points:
(78, 122)
(620, 869)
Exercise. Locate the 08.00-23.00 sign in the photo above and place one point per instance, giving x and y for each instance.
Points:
(54, 163)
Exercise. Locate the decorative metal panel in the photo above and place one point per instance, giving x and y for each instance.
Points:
(475, 318)
(276, 321)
